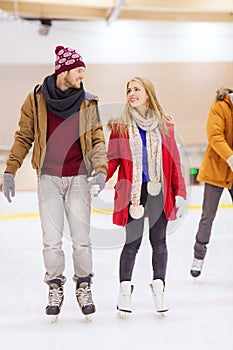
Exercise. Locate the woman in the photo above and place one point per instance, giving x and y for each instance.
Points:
(216, 171)
(143, 149)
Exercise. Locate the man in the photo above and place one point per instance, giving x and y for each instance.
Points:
(62, 121)
(216, 170)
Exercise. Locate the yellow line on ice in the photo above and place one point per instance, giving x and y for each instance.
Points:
(93, 211)
(222, 206)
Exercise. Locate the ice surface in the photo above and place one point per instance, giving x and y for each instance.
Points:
(200, 311)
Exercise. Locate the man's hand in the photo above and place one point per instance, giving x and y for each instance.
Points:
(97, 184)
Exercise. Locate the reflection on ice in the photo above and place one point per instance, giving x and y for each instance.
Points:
(200, 311)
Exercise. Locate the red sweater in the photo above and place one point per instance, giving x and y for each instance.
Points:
(63, 150)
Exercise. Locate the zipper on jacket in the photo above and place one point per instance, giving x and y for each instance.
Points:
(37, 125)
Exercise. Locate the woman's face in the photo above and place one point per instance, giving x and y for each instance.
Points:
(136, 95)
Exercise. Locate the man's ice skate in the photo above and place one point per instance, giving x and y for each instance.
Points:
(157, 287)
(55, 301)
(84, 298)
(124, 299)
(196, 267)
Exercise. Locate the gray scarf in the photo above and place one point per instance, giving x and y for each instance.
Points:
(62, 103)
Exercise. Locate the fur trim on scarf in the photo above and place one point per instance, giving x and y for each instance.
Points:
(136, 211)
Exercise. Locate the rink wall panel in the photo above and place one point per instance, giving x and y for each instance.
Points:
(185, 90)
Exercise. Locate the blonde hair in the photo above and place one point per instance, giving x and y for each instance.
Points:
(154, 106)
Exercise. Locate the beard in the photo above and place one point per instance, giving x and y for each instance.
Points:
(70, 82)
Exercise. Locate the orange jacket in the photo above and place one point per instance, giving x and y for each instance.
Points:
(214, 168)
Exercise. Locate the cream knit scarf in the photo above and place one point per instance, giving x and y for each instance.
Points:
(154, 156)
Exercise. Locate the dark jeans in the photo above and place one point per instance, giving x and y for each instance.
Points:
(157, 236)
(212, 195)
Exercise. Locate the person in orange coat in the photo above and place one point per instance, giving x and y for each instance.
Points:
(216, 171)
(143, 149)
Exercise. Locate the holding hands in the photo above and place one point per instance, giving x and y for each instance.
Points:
(97, 184)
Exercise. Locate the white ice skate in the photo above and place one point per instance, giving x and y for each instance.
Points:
(55, 301)
(84, 298)
(124, 299)
(196, 267)
(157, 287)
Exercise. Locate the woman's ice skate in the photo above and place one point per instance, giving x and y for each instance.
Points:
(157, 287)
(196, 267)
(124, 299)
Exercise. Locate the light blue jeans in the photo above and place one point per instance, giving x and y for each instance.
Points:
(70, 196)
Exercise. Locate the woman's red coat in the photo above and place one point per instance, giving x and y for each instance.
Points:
(119, 155)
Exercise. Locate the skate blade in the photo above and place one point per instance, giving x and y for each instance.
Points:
(88, 318)
(162, 312)
(123, 314)
(53, 318)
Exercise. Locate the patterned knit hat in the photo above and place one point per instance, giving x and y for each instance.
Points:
(67, 59)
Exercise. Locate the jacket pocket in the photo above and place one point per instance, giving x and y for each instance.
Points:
(214, 155)
(35, 156)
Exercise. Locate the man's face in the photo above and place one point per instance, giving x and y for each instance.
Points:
(74, 77)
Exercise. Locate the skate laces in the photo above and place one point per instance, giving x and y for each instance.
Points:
(197, 264)
(83, 294)
(55, 296)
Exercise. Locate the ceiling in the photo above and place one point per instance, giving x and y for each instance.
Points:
(110, 10)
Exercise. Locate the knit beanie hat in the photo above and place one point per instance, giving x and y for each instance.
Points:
(67, 59)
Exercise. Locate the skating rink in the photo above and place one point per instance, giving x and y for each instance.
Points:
(200, 312)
